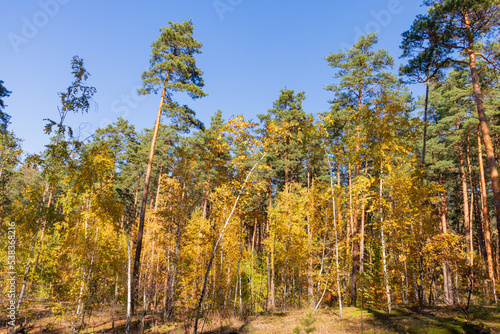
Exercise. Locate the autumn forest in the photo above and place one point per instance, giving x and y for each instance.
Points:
(387, 201)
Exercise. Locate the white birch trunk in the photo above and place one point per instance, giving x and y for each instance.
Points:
(339, 291)
(386, 280)
(129, 289)
(198, 313)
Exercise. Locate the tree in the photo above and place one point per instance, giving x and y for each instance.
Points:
(293, 158)
(255, 149)
(172, 69)
(121, 139)
(460, 29)
(10, 150)
(450, 109)
(363, 76)
(424, 67)
(76, 98)
(288, 152)
(4, 117)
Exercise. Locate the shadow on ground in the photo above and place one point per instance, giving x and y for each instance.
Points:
(438, 320)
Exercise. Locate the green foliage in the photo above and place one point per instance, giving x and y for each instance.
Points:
(362, 72)
(4, 117)
(293, 149)
(173, 69)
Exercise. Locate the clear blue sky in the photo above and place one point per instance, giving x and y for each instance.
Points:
(251, 49)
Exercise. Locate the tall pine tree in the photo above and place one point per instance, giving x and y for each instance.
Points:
(172, 69)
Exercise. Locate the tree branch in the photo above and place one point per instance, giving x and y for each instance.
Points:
(489, 61)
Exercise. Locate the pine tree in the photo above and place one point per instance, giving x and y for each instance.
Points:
(172, 69)
(461, 28)
(10, 152)
(363, 74)
(4, 117)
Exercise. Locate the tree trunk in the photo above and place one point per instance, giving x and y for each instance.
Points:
(424, 138)
(158, 189)
(177, 246)
(129, 289)
(384, 260)
(251, 278)
(362, 231)
(238, 270)
(203, 290)
(339, 291)
(322, 266)
(352, 221)
(42, 234)
(268, 281)
(140, 231)
(310, 283)
(27, 267)
(115, 299)
(483, 121)
(136, 197)
(272, 286)
(465, 201)
(447, 282)
(485, 215)
(478, 221)
(472, 204)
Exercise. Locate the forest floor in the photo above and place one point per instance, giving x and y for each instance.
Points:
(482, 319)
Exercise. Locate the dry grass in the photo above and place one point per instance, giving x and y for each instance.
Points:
(403, 320)
(325, 321)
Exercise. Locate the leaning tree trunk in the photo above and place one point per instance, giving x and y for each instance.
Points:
(207, 273)
(336, 238)
(140, 231)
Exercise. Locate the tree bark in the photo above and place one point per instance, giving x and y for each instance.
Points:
(136, 197)
(158, 189)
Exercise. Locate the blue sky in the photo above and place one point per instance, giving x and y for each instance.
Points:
(251, 50)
